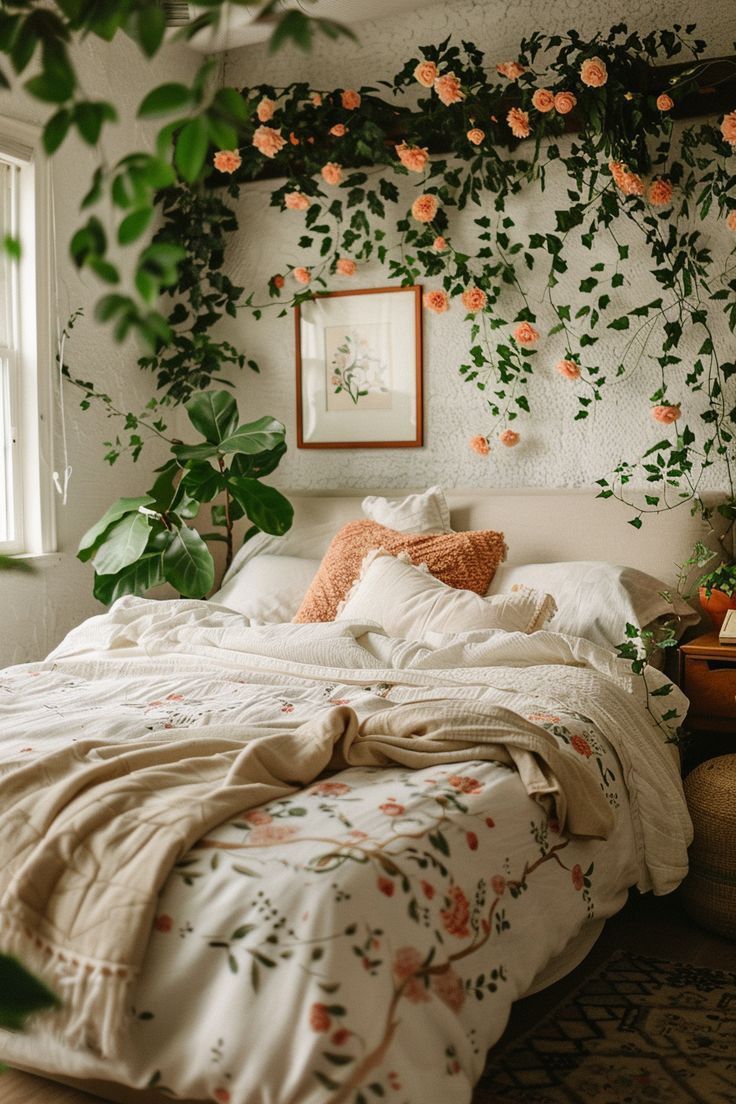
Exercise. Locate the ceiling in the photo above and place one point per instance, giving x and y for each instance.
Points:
(241, 26)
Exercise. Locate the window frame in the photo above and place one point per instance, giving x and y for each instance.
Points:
(32, 377)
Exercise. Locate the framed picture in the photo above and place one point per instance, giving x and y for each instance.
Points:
(359, 369)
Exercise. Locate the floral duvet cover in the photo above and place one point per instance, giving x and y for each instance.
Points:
(361, 940)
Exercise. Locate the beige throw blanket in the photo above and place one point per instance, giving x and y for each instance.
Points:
(89, 835)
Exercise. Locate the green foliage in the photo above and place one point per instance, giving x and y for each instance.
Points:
(21, 994)
(143, 541)
(722, 578)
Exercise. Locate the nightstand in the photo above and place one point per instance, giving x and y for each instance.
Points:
(708, 679)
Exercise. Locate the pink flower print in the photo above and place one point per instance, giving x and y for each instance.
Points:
(577, 876)
(428, 890)
(287, 707)
(498, 884)
(449, 988)
(330, 789)
(221, 1095)
(455, 918)
(407, 961)
(340, 1037)
(257, 816)
(490, 822)
(163, 923)
(581, 746)
(319, 1017)
(175, 697)
(393, 1080)
(386, 886)
(465, 784)
(392, 808)
(271, 833)
(472, 840)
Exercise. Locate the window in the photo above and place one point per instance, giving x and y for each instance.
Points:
(26, 497)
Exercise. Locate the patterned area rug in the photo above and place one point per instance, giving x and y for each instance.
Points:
(638, 1031)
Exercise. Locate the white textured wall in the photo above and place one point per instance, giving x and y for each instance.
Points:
(555, 450)
(37, 611)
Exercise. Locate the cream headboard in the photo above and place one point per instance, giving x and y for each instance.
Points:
(546, 525)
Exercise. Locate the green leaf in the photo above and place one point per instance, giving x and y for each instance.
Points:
(188, 564)
(56, 88)
(294, 25)
(191, 149)
(259, 436)
(137, 578)
(265, 506)
(21, 994)
(147, 27)
(162, 490)
(123, 543)
(89, 118)
(56, 130)
(183, 453)
(231, 104)
(165, 99)
(93, 537)
(202, 482)
(214, 414)
(134, 224)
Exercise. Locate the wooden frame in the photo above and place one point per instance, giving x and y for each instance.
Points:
(415, 410)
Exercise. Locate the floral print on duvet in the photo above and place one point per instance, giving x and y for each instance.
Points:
(363, 939)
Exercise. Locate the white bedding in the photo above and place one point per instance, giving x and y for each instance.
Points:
(365, 937)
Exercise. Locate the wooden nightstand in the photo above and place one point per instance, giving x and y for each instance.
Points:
(708, 678)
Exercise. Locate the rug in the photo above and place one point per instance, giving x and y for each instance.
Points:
(638, 1031)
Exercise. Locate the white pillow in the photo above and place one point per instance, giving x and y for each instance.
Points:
(268, 589)
(427, 512)
(306, 542)
(596, 599)
(407, 602)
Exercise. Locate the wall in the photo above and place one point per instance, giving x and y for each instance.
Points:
(38, 610)
(555, 449)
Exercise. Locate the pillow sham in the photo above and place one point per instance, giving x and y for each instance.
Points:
(268, 590)
(596, 600)
(408, 602)
(463, 560)
(427, 512)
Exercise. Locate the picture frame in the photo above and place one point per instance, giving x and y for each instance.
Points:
(359, 369)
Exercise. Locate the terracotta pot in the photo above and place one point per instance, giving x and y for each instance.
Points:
(717, 606)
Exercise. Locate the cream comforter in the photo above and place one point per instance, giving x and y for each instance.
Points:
(300, 879)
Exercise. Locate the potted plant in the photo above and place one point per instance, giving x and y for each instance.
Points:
(717, 592)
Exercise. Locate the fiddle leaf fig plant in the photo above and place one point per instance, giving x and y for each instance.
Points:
(141, 542)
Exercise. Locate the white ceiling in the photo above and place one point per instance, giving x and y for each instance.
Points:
(241, 26)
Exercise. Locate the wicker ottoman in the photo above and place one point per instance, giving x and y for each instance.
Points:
(709, 891)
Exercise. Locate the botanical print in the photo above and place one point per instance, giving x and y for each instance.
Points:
(358, 366)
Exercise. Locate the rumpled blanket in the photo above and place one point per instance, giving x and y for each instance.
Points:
(89, 834)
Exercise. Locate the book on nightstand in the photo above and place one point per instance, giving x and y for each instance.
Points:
(727, 635)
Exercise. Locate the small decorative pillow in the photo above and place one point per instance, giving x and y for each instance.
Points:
(427, 512)
(268, 590)
(408, 602)
(463, 560)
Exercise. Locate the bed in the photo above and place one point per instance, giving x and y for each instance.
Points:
(363, 936)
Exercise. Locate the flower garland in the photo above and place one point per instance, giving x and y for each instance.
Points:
(478, 139)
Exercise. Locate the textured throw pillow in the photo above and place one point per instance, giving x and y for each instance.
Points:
(408, 602)
(597, 600)
(427, 512)
(268, 590)
(463, 560)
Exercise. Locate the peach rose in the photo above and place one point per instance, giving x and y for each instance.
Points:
(518, 120)
(227, 161)
(448, 89)
(480, 445)
(424, 207)
(332, 173)
(728, 128)
(564, 102)
(350, 99)
(278, 280)
(629, 183)
(543, 99)
(593, 72)
(512, 70)
(265, 109)
(316, 99)
(731, 221)
(426, 73)
(509, 438)
(338, 130)
(268, 141)
(346, 266)
(414, 158)
(473, 299)
(302, 275)
(436, 301)
(568, 368)
(526, 334)
(476, 136)
(665, 414)
(665, 102)
(660, 192)
(296, 201)
(440, 245)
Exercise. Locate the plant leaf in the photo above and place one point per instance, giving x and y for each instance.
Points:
(188, 564)
(191, 149)
(91, 540)
(124, 542)
(214, 414)
(259, 436)
(165, 99)
(21, 994)
(137, 578)
(265, 506)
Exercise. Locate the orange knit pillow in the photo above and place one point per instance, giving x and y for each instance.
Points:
(467, 561)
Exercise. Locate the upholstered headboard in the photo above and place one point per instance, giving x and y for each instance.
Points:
(546, 525)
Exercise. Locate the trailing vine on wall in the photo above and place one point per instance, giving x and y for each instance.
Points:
(637, 189)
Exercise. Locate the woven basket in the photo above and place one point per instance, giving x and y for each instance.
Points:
(709, 891)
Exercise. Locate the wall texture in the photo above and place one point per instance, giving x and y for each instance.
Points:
(38, 610)
(555, 449)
